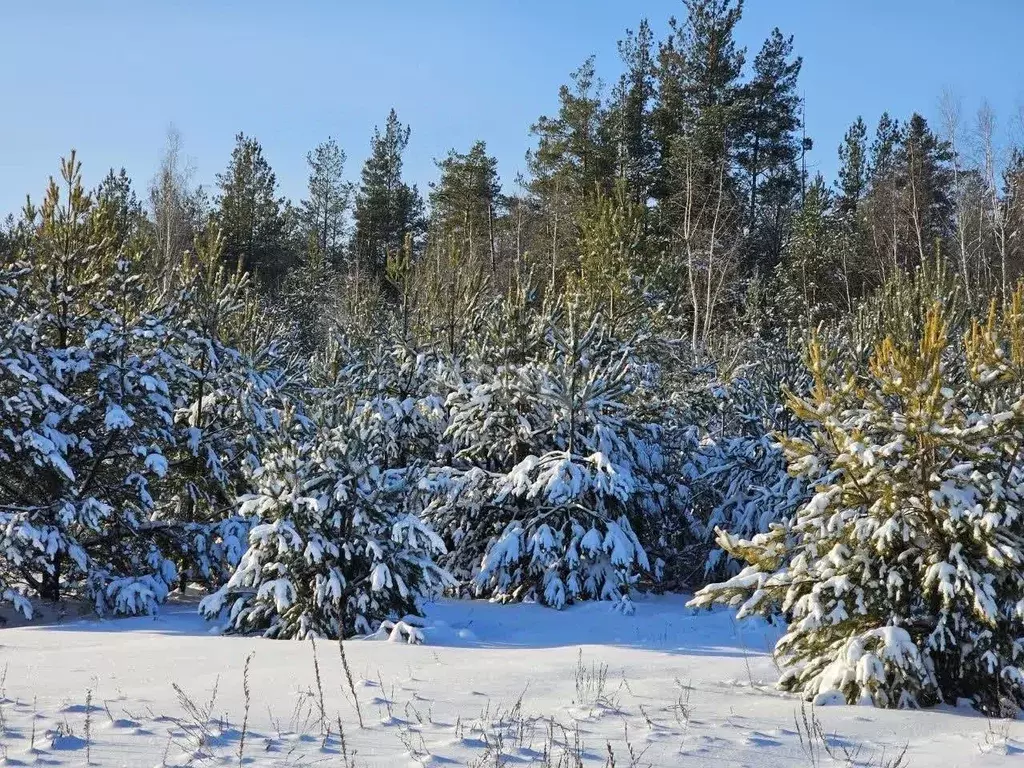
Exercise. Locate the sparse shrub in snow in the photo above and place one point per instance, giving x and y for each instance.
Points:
(902, 577)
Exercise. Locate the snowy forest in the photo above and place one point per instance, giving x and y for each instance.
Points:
(668, 360)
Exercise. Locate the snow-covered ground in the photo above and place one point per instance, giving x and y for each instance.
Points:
(493, 686)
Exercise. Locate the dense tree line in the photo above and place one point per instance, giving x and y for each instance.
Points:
(671, 359)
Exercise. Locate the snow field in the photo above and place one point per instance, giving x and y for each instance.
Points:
(493, 685)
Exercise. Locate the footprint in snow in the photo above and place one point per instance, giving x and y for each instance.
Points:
(67, 743)
(80, 708)
(758, 739)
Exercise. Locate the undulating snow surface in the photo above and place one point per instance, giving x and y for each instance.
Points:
(492, 686)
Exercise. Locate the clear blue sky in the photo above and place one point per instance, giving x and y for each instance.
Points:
(108, 76)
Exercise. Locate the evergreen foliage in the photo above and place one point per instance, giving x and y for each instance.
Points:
(552, 469)
(465, 201)
(250, 214)
(335, 551)
(901, 576)
(583, 387)
(388, 210)
(323, 212)
(125, 411)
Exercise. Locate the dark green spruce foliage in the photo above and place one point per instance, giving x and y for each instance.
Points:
(250, 214)
(387, 208)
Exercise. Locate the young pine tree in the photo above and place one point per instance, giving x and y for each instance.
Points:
(901, 578)
(87, 411)
(554, 469)
(614, 270)
(338, 548)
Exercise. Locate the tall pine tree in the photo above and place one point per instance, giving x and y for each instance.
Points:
(631, 114)
(250, 214)
(572, 160)
(465, 202)
(323, 211)
(853, 167)
(387, 208)
(768, 146)
(926, 179)
(699, 67)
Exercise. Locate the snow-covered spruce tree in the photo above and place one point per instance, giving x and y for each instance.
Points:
(398, 406)
(229, 385)
(737, 474)
(492, 421)
(24, 392)
(336, 551)
(550, 472)
(85, 412)
(902, 577)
